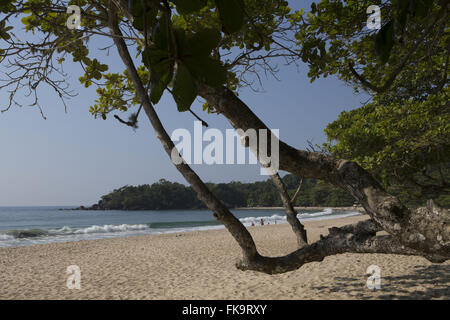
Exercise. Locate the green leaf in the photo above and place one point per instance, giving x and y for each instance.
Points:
(180, 38)
(402, 11)
(102, 67)
(156, 55)
(4, 35)
(157, 91)
(97, 75)
(231, 14)
(189, 6)
(163, 67)
(161, 76)
(384, 41)
(203, 41)
(150, 17)
(422, 7)
(207, 70)
(184, 89)
(161, 71)
(160, 33)
(4, 4)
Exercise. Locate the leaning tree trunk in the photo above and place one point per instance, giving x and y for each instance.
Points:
(426, 230)
(234, 226)
(291, 214)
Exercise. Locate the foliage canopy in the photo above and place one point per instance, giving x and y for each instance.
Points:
(401, 135)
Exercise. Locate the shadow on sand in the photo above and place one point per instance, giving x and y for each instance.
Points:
(425, 282)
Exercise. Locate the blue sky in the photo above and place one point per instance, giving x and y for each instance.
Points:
(72, 158)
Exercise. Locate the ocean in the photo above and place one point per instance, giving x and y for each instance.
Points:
(22, 226)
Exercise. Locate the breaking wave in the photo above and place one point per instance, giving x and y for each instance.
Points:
(302, 216)
(64, 231)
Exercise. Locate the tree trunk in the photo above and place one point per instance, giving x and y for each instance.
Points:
(221, 213)
(340, 240)
(424, 230)
(291, 214)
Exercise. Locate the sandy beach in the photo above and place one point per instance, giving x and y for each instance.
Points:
(200, 265)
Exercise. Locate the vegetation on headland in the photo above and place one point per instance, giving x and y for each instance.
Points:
(164, 195)
(170, 195)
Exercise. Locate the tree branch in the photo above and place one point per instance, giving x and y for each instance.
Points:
(428, 232)
(297, 192)
(337, 243)
(356, 238)
(291, 214)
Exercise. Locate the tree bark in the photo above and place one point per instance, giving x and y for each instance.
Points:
(340, 240)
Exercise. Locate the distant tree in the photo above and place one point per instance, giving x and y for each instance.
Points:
(405, 144)
(402, 135)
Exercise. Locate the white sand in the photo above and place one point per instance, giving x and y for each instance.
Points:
(200, 265)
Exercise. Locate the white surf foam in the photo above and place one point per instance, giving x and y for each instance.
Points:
(324, 214)
(109, 228)
(4, 237)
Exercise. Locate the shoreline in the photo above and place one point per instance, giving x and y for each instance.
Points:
(357, 208)
(26, 237)
(200, 265)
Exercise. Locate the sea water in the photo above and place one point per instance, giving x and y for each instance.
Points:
(21, 226)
